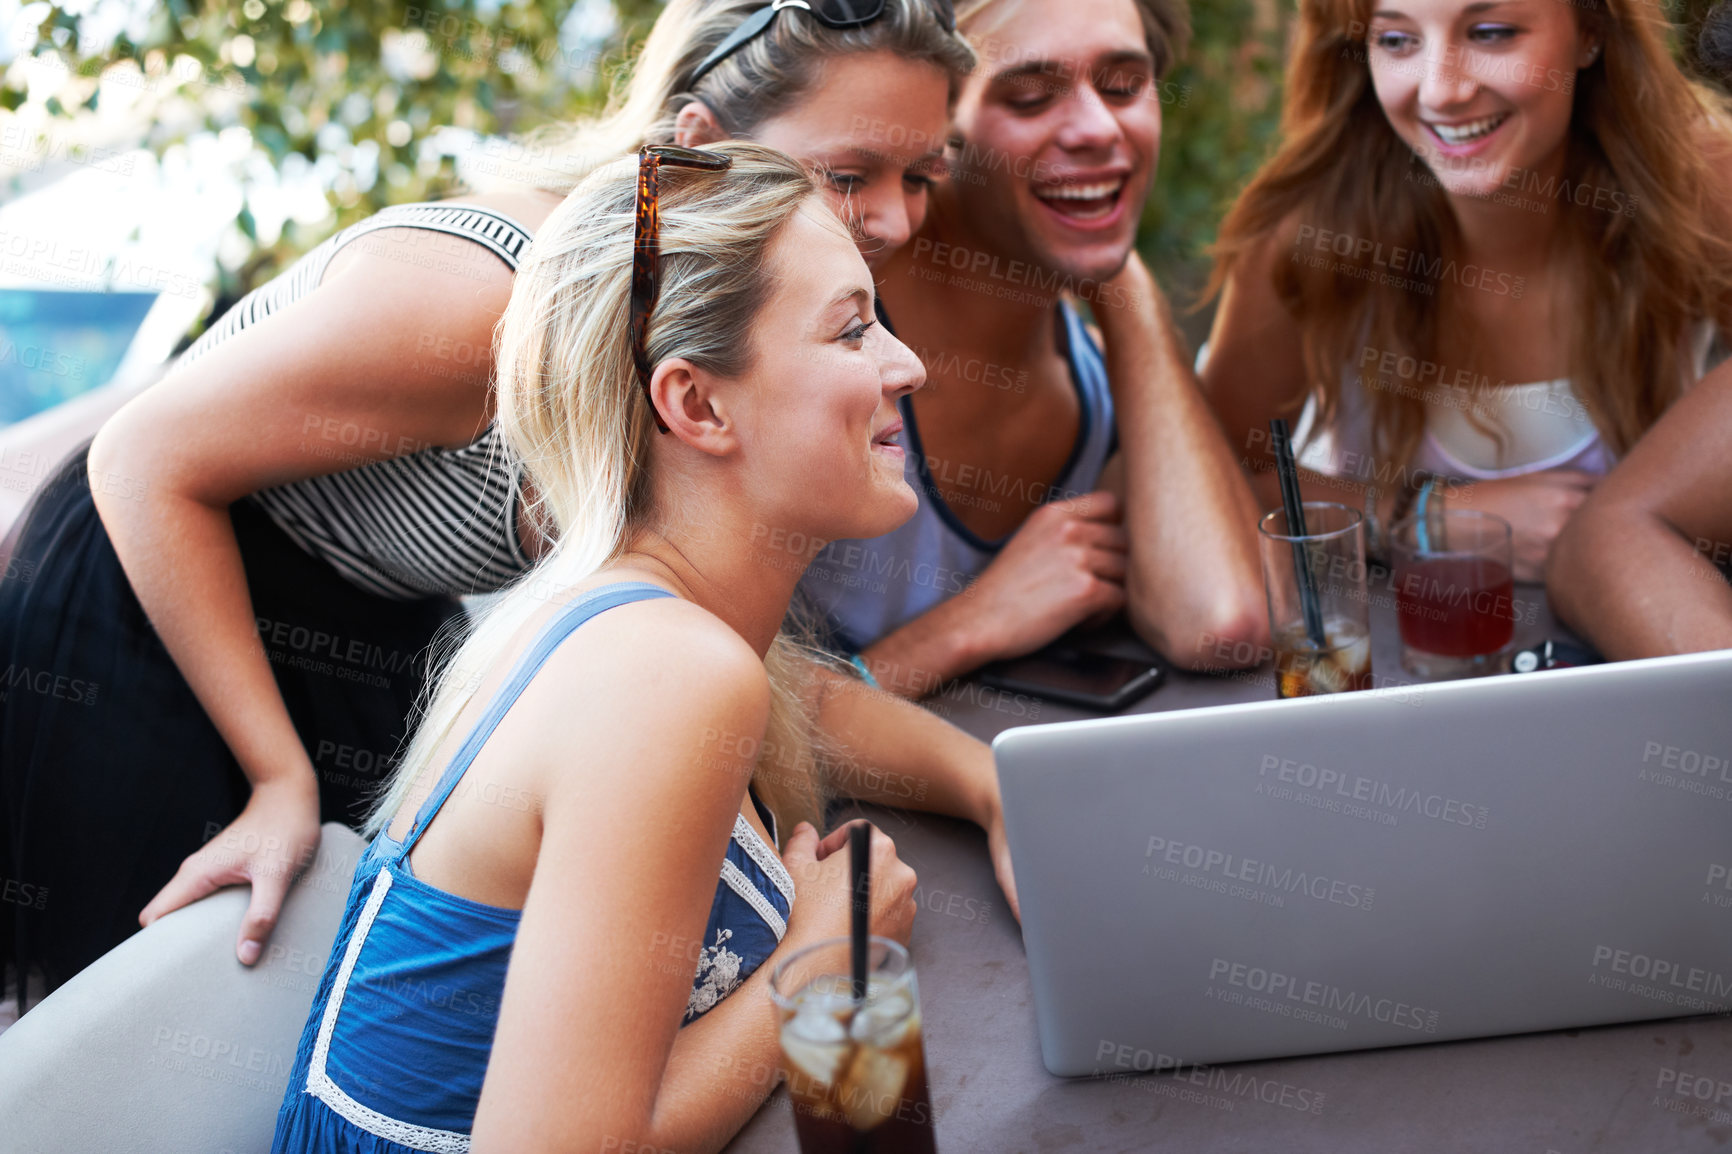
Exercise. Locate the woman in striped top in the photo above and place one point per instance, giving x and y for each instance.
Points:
(319, 478)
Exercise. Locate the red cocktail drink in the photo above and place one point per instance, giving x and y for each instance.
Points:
(1456, 606)
(1454, 593)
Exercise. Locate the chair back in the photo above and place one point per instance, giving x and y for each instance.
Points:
(167, 1043)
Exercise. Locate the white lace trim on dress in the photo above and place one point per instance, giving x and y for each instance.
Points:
(742, 885)
(748, 840)
(319, 1083)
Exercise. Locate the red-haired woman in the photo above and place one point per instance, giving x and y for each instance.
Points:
(1493, 247)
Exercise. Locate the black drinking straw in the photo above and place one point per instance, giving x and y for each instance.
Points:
(860, 873)
(1288, 473)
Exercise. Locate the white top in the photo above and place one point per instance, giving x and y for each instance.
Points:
(1485, 435)
(1506, 431)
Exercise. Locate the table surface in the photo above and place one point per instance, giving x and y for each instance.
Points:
(1564, 1092)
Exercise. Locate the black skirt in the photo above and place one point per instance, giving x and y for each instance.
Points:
(111, 773)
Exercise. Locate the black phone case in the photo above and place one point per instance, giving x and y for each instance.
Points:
(1135, 689)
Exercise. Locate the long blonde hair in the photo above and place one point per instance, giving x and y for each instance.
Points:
(1635, 279)
(750, 86)
(570, 407)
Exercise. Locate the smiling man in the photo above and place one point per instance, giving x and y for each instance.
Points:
(1053, 492)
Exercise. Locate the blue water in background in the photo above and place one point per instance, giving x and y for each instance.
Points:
(56, 344)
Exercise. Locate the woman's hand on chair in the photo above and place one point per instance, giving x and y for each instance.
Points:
(275, 837)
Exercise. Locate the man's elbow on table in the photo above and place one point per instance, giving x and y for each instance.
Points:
(1231, 632)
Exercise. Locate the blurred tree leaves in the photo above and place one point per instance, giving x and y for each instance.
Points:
(355, 89)
(358, 92)
(361, 88)
(1220, 109)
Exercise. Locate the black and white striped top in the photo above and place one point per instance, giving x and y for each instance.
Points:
(437, 521)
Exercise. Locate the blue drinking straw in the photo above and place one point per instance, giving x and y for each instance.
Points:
(1421, 522)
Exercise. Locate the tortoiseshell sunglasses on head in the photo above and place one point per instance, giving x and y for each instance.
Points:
(646, 248)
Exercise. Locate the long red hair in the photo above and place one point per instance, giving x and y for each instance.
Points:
(1637, 280)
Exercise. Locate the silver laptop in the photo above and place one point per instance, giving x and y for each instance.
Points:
(1376, 869)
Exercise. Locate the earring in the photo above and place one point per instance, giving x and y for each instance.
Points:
(1593, 55)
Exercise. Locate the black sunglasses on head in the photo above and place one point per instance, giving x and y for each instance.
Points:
(829, 13)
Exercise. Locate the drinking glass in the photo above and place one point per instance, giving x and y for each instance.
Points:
(1454, 593)
(1334, 544)
(856, 1071)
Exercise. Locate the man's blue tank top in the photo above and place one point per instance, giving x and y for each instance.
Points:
(863, 590)
(396, 1044)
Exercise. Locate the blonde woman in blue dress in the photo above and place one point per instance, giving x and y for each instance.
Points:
(623, 687)
(322, 478)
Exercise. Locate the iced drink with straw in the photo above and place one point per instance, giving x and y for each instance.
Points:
(850, 1033)
(1314, 573)
(1341, 665)
(856, 1071)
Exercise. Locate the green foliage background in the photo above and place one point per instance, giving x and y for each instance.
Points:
(495, 68)
(284, 69)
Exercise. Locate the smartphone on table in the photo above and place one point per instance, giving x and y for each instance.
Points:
(1068, 673)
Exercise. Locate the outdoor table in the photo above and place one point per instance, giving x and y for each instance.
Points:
(1637, 1087)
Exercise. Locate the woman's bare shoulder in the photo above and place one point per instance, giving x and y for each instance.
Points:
(656, 660)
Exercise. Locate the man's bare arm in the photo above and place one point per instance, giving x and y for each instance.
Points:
(1194, 574)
